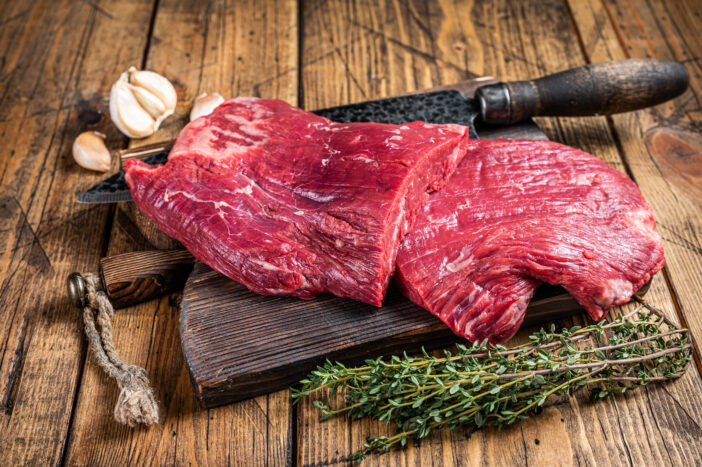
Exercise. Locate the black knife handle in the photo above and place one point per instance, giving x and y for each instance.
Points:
(598, 89)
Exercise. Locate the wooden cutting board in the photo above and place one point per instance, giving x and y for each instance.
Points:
(238, 344)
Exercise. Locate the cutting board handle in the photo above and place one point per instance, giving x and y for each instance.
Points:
(137, 276)
(597, 89)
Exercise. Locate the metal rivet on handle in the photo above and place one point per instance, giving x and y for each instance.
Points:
(76, 289)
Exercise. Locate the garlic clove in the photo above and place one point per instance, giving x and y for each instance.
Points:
(149, 102)
(127, 114)
(157, 85)
(140, 101)
(204, 104)
(90, 152)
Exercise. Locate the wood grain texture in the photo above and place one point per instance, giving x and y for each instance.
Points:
(668, 172)
(360, 51)
(57, 61)
(147, 229)
(234, 48)
(54, 73)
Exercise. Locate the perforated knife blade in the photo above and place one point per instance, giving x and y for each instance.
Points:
(114, 189)
(448, 106)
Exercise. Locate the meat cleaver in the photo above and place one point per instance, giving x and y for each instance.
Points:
(597, 89)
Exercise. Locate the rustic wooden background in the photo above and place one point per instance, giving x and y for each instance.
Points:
(58, 59)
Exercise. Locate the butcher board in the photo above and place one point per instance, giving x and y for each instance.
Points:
(239, 344)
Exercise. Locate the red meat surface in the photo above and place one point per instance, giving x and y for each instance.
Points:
(289, 203)
(518, 213)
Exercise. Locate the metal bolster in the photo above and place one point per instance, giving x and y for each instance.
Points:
(495, 103)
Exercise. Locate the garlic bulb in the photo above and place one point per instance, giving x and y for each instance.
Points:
(89, 151)
(139, 101)
(204, 104)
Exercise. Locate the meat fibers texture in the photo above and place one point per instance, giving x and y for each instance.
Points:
(518, 213)
(290, 203)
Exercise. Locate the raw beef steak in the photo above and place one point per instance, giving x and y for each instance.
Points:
(514, 214)
(289, 203)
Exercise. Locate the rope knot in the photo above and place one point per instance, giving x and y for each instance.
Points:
(136, 402)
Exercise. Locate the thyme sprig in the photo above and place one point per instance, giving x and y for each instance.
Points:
(481, 384)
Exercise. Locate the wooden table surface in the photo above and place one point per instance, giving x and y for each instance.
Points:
(58, 60)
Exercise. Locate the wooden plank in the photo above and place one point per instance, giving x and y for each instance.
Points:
(55, 69)
(354, 52)
(234, 48)
(661, 146)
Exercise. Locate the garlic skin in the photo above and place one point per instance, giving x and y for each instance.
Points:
(204, 104)
(139, 101)
(90, 152)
